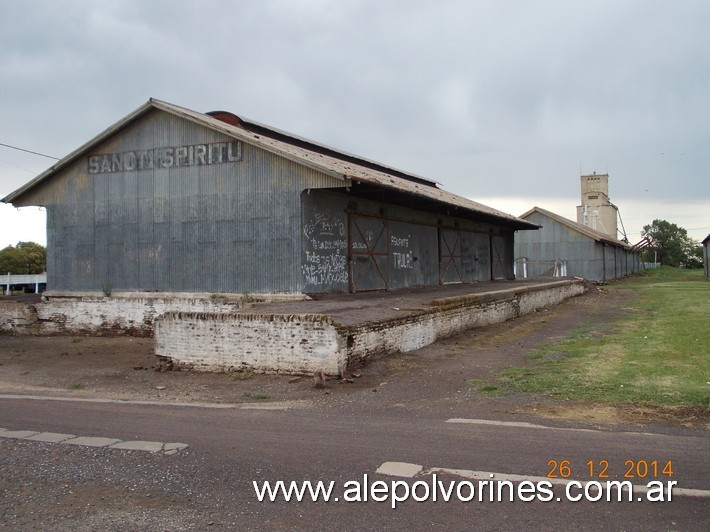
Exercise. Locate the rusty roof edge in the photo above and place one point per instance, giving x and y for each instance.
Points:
(268, 144)
(274, 145)
(447, 198)
(326, 164)
(72, 156)
(281, 132)
(154, 103)
(580, 228)
(350, 172)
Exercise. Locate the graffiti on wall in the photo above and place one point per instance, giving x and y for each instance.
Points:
(402, 256)
(325, 260)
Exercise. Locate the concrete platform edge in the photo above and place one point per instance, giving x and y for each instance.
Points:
(304, 343)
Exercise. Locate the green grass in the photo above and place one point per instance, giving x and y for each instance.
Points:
(658, 353)
(486, 388)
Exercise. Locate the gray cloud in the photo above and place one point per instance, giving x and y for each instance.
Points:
(485, 96)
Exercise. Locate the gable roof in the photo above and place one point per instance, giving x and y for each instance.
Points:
(599, 236)
(333, 162)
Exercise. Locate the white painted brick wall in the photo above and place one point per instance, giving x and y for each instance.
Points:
(292, 344)
(302, 344)
(410, 334)
(17, 318)
(535, 299)
(119, 315)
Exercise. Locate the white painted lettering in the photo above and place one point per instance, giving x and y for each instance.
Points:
(166, 157)
(94, 165)
(234, 151)
(181, 156)
(403, 261)
(200, 151)
(326, 262)
(145, 160)
(129, 161)
(399, 242)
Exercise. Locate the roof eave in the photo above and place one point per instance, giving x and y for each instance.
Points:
(73, 156)
(378, 179)
(451, 201)
(240, 134)
(575, 226)
(153, 103)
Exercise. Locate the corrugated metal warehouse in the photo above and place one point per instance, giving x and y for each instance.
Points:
(584, 252)
(172, 200)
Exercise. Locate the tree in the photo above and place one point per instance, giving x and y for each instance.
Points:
(23, 259)
(672, 245)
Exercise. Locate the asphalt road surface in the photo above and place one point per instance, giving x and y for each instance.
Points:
(209, 484)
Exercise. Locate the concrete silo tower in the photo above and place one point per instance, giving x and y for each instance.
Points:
(596, 211)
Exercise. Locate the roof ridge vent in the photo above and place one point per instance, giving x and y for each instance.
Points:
(226, 116)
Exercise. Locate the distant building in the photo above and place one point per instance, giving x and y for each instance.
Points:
(706, 257)
(566, 248)
(588, 248)
(173, 200)
(596, 211)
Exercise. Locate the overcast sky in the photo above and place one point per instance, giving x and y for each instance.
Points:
(505, 102)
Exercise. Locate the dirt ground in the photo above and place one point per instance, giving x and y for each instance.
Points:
(432, 378)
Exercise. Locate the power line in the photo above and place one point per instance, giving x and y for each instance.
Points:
(29, 151)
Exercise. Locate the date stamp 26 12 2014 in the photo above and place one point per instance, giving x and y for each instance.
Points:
(602, 469)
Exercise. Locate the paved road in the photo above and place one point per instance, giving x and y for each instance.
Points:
(209, 483)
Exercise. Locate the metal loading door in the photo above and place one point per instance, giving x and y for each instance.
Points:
(498, 257)
(450, 265)
(368, 253)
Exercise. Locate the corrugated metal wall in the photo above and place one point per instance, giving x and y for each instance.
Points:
(356, 244)
(255, 222)
(585, 256)
(229, 227)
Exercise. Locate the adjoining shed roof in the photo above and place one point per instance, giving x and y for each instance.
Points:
(350, 168)
(706, 240)
(599, 236)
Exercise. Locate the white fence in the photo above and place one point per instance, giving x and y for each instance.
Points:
(8, 281)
